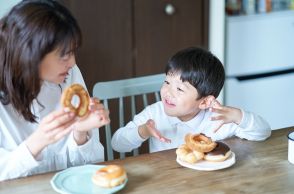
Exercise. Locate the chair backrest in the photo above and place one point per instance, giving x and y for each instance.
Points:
(120, 89)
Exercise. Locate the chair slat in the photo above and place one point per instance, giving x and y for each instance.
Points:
(118, 89)
(121, 120)
(133, 113)
(145, 100)
(157, 97)
(108, 136)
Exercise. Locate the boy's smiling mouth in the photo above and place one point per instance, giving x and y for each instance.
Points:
(169, 103)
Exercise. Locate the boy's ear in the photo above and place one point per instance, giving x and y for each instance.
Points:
(206, 102)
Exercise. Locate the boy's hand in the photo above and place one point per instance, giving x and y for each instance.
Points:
(226, 114)
(148, 129)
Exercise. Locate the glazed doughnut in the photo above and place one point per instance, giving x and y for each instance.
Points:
(220, 153)
(187, 155)
(109, 176)
(84, 99)
(199, 142)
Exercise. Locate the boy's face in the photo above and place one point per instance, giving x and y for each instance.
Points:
(179, 98)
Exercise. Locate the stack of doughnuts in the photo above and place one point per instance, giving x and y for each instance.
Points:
(109, 176)
(200, 147)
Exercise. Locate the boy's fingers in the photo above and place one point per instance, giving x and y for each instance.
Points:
(215, 130)
(166, 140)
(158, 136)
(155, 133)
(217, 110)
(216, 118)
(150, 123)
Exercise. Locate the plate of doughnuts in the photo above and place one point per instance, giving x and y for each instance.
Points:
(201, 153)
(204, 165)
(86, 179)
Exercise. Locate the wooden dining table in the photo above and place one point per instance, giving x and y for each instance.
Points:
(260, 167)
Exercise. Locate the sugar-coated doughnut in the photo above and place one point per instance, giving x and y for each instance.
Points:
(109, 176)
(199, 142)
(84, 99)
(220, 153)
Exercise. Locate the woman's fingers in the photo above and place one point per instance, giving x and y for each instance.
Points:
(95, 104)
(57, 133)
(60, 120)
(49, 118)
(61, 132)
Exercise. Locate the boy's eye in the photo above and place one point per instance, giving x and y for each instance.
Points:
(179, 89)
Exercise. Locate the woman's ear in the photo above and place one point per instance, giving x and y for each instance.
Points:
(206, 102)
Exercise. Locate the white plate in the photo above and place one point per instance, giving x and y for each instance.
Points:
(77, 180)
(209, 166)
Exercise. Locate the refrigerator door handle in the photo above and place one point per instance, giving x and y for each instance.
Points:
(262, 75)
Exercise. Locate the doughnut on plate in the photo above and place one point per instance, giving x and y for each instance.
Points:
(204, 165)
(78, 180)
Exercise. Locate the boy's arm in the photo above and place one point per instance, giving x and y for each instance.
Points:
(253, 127)
(234, 121)
(127, 138)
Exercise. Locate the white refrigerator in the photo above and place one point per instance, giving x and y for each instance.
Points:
(259, 63)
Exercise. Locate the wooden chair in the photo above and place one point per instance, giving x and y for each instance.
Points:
(121, 89)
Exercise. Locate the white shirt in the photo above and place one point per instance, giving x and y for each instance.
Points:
(125, 139)
(15, 158)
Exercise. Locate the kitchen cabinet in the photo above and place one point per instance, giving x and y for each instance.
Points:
(260, 65)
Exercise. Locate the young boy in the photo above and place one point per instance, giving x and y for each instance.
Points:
(194, 79)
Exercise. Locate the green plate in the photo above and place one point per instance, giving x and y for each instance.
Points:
(77, 180)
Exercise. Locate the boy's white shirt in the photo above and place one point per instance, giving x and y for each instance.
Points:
(125, 139)
(15, 158)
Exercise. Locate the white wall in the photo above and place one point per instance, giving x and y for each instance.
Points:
(6, 5)
(216, 34)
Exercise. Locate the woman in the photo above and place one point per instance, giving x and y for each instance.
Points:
(38, 41)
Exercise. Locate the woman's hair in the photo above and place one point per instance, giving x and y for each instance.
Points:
(200, 68)
(31, 30)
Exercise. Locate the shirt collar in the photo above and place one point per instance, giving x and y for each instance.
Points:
(194, 122)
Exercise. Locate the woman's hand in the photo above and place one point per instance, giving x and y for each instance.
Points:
(97, 117)
(148, 129)
(52, 128)
(225, 114)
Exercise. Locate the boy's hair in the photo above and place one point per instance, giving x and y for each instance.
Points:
(31, 30)
(200, 68)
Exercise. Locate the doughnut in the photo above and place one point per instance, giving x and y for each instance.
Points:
(220, 153)
(78, 90)
(187, 155)
(109, 176)
(199, 142)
